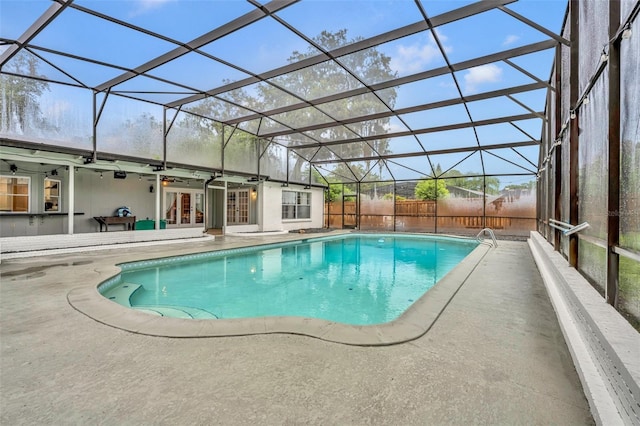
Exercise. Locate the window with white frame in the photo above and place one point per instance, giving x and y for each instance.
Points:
(296, 205)
(14, 194)
(52, 190)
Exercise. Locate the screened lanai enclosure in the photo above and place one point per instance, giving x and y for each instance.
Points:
(421, 116)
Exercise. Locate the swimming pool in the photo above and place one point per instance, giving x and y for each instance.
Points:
(357, 279)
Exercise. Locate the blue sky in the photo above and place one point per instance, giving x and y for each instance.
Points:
(267, 44)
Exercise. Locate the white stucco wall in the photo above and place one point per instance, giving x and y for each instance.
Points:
(270, 208)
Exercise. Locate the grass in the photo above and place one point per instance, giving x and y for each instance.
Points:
(593, 264)
(629, 291)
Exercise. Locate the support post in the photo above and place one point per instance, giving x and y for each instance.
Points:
(157, 215)
(574, 129)
(358, 205)
(164, 138)
(72, 196)
(435, 225)
(484, 201)
(613, 207)
(94, 135)
(224, 146)
(558, 152)
(327, 202)
(395, 209)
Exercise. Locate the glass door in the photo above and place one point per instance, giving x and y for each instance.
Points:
(171, 207)
(199, 207)
(231, 206)
(183, 207)
(237, 207)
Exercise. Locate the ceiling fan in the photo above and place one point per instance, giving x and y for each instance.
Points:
(165, 180)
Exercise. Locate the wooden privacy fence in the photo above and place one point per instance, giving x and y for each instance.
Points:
(421, 214)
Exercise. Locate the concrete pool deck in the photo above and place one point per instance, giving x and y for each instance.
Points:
(495, 355)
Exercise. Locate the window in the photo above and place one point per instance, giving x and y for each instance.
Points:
(52, 195)
(296, 205)
(14, 194)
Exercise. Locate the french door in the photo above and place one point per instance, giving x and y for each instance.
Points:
(184, 207)
(237, 206)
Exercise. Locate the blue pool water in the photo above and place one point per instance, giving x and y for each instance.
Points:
(353, 279)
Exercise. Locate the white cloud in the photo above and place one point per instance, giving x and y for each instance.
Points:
(144, 6)
(443, 38)
(512, 38)
(395, 127)
(476, 76)
(411, 59)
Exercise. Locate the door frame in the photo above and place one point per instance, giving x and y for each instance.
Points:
(237, 191)
(193, 214)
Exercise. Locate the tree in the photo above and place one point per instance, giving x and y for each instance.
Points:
(19, 96)
(334, 193)
(309, 83)
(329, 78)
(242, 148)
(426, 189)
(475, 183)
(525, 186)
(142, 136)
(389, 196)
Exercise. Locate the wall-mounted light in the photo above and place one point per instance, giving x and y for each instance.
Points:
(13, 169)
(151, 189)
(101, 175)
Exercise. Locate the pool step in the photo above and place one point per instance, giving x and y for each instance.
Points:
(176, 311)
(122, 293)
(199, 313)
(149, 311)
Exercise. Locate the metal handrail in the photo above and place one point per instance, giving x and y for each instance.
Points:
(567, 228)
(491, 234)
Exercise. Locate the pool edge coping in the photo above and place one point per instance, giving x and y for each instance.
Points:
(412, 324)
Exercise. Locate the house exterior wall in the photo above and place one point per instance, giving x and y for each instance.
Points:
(271, 208)
(102, 196)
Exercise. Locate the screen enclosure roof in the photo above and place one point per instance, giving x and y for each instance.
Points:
(361, 90)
